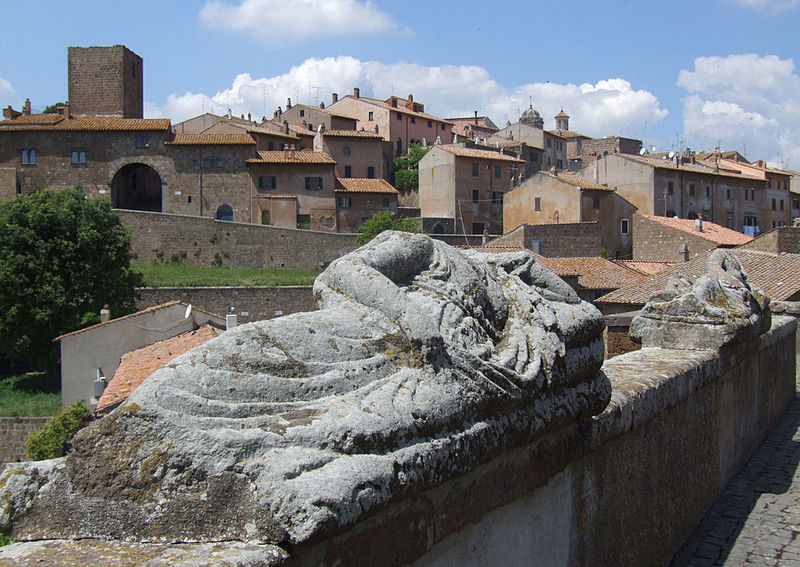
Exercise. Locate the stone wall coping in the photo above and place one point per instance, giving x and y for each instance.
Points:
(225, 287)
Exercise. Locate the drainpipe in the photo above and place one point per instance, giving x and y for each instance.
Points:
(201, 179)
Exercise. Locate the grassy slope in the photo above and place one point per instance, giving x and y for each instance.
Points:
(28, 395)
(169, 275)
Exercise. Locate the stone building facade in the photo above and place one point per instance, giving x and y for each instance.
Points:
(359, 199)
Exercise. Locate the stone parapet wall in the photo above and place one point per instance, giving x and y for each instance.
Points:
(625, 488)
(565, 240)
(251, 303)
(784, 239)
(14, 431)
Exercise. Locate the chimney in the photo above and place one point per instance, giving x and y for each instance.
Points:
(230, 319)
(476, 118)
(698, 223)
(322, 104)
(334, 98)
(249, 117)
(288, 104)
(64, 111)
(410, 98)
(285, 126)
(356, 92)
(229, 114)
(291, 152)
(485, 236)
(27, 108)
(105, 314)
(683, 253)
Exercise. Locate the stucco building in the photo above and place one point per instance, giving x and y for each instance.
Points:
(400, 121)
(309, 118)
(530, 130)
(684, 188)
(358, 199)
(465, 186)
(548, 198)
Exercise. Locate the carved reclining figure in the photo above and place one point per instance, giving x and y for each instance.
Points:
(422, 362)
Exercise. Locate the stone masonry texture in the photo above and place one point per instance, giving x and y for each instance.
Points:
(14, 431)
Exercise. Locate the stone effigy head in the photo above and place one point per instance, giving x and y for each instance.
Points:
(422, 362)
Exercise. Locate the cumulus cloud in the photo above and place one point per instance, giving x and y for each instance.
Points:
(280, 21)
(747, 102)
(769, 6)
(611, 106)
(7, 94)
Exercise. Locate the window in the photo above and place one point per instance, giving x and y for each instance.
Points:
(596, 202)
(708, 191)
(27, 156)
(399, 116)
(210, 163)
(371, 115)
(271, 145)
(225, 213)
(344, 202)
(773, 204)
(78, 157)
(304, 222)
(691, 189)
(537, 204)
(442, 127)
(371, 172)
(264, 217)
(477, 228)
(750, 220)
(476, 196)
(549, 143)
(267, 182)
(497, 171)
(413, 119)
(399, 149)
(624, 226)
(497, 198)
(475, 170)
(142, 142)
(781, 204)
(670, 188)
(302, 112)
(769, 185)
(774, 224)
(559, 164)
(730, 221)
(796, 203)
(314, 183)
(348, 171)
(385, 203)
(430, 123)
(346, 150)
(727, 193)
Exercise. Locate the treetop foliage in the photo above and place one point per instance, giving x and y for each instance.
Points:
(62, 257)
(384, 221)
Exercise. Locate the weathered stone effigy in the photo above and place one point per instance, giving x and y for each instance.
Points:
(422, 363)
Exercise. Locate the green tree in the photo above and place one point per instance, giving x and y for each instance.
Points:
(52, 108)
(62, 257)
(384, 221)
(53, 436)
(406, 168)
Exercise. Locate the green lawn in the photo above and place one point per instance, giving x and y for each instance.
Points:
(28, 395)
(179, 275)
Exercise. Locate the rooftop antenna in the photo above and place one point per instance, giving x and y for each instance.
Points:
(316, 95)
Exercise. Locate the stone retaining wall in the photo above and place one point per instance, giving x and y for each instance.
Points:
(14, 431)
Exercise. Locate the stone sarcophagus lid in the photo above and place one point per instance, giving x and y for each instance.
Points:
(422, 362)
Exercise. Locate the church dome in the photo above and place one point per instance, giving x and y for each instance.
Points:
(531, 117)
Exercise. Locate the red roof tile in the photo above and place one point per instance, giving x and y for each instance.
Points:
(711, 232)
(212, 140)
(88, 123)
(292, 156)
(353, 185)
(478, 154)
(137, 365)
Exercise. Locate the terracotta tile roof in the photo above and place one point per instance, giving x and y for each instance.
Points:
(283, 196)
(325, 110)
(212, 140)
(697, 168)
(778, 275)
(353, 185)
(645, 267)
(577, 181)
(34, 119)
(301, 130)
(352, 134)
(594, 272)
(712, 232)
(292, 156)
(138, 364)
(476, 153)
(401, 102)
(569, 134)
(148, 310)
(91, 123)
(250, 127)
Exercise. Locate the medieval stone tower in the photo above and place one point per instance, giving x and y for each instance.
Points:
(105, 81)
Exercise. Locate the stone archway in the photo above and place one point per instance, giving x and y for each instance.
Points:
(137, 186)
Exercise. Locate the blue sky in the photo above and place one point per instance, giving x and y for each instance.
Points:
(673, 74)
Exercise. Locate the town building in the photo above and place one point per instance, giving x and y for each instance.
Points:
(400, 121)
(552, 148)
(473, 127)
(268, 136)
(553, 198)
(357, 153)
(105, 81)
(311, 117)
(359, 199)
(462, 188)
(681, 187)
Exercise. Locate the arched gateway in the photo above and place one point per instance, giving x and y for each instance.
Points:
(137, 186)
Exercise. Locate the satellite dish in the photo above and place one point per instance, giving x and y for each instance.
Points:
(642, 151)
(671, 155)
(188, 311)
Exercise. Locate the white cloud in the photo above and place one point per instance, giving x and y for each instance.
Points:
(280, 21)
(769, 6)
(7, 94)
(608, 107)
(748, 103)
